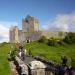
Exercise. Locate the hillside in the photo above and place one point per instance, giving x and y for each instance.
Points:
(53, 53)
(4, 65)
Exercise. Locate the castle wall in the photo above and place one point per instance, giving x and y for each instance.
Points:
(34, 36)
(11, 37)
(13, 34)
(30, 31)
(49, 34)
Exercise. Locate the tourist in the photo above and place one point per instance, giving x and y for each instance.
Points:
(64, 60)
(25, 52)
(29, 52)
(71, 71)
(20, 54)
(61, 71)
(23, 56)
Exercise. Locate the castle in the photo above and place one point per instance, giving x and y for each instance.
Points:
(30, 31)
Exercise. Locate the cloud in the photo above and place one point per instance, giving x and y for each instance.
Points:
(62, 22)
(4, 31)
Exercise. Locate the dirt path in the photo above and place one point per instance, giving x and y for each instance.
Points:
(13, 69)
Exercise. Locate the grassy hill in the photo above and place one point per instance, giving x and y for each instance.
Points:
(53, 53)
(4, 65)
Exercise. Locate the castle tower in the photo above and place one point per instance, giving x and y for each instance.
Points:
(13, 32)
(30, 24)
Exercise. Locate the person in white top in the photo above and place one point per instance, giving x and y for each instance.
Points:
(20, 54)
(25, 51)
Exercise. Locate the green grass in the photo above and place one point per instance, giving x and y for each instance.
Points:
(4, 64)
(53, 53)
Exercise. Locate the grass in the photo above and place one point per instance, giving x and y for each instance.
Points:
(4, 64)
(53, 53)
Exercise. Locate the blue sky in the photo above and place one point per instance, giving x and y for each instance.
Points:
(48, 12)
(44, 10)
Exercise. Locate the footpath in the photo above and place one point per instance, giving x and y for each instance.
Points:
(13, 68)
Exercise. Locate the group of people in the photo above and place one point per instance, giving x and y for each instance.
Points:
(63, 69)
(21, 52)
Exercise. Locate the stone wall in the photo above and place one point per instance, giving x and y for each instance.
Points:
(49, 34)
(30, 24)
(13, 34)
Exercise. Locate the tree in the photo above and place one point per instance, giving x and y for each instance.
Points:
(69, 38)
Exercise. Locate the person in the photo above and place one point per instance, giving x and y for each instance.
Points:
(64, 60)
(20, 47)
(20, 54)
(71, 71)
(29, 52)
(23, 56)
(61, 70)
(25, 51)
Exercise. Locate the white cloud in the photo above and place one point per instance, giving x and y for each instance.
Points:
(62, 22)
(4, 31)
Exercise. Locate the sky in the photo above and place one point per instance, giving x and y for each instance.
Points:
(53, 15)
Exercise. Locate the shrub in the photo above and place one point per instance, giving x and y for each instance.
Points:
(61, 42)
(52, 42)
(73, 62)
(43, 39)
(13, 54)
(69, 38)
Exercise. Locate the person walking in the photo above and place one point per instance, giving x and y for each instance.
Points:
(64, 61)
(61, 71)
(29, 52)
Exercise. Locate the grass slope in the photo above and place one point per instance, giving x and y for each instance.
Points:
(37, 49)
(4, 65)
(53, 53)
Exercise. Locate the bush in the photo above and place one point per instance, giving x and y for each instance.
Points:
(52, 42)
(61, 42)
(4, 43)
(13, 54)
(43, 39)
(73, 62)
(69, 38)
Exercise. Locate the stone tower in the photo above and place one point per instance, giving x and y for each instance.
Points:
(14, 38)
(30, 24)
